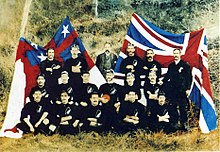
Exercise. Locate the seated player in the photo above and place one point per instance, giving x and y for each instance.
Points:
(65, 85)
(131, 113)
(85, 89)
(151, 89)
(41, 86)
(112, 89)
(37, 116)
(164, 116)
(67, 114)
(93, 118)
(130, 85)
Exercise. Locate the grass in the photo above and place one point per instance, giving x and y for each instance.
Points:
(140, 141)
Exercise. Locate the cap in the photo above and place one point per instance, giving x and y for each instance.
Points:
(130, 74)
(64, 72)
(109, 71)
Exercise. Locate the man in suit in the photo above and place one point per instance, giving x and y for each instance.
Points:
(177, 83)
(107, 59)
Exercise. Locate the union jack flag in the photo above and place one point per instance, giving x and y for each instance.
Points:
(144, 35)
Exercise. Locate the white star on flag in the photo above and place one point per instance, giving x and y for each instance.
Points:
(34, 45)
(65, 30)
(42, 57)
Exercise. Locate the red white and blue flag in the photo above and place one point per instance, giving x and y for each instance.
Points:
(29, 56)
(64, 38)
(145, 35)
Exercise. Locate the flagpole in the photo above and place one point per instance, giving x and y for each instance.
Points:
(25, 16)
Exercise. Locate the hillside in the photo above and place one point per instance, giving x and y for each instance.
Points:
(109, 22)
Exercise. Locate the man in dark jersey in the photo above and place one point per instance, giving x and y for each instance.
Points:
(177, 83)
(75, 66)
(41, 86)
(151, 65)
(92, 116)
(164, 116)
(51, 69)
(67, 113)
(132, 63)
(37, 116)
(131, 113)
(85, 89)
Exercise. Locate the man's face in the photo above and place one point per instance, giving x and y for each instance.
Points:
(64, 97)
(74, 52)
(130, 80)
(150, 55)
(37, 96)
(94, 100)
(176, 55)
(130, 49)
(40, 81)
(85, 77)
(132, 96)
(152, 76)
(107, 47)
(161, 100)
(109, 77)
(65, 78)
(50, 54)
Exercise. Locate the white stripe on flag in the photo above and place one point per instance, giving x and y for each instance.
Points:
(121, 54)
(151, 38)
(143, 47)
(96, 77)
(15, 102)
(164, 38)
(202, 123)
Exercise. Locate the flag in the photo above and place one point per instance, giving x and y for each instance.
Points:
(144, 35)
(28, 56)
(64, 38)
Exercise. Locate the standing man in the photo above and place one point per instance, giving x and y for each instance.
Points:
(75, 66)
(132, 63)
(51, 69)
(177, 83)
(107, 59)
(151, 65)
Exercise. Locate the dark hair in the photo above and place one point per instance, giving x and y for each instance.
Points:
(50, 49)
(40, 75)
(75, 46)
(85, 72)
(177, 49)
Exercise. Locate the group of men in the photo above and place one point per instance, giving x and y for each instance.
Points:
(65, 102)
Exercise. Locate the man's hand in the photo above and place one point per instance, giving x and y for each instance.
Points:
(76, 69)
(49, 69)
(164, 118)
(187, 92)
(92, 119)
(76, 122)
(46, 121)
(131, 67)
(52, 127)
(94, 124)
(84, 104)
